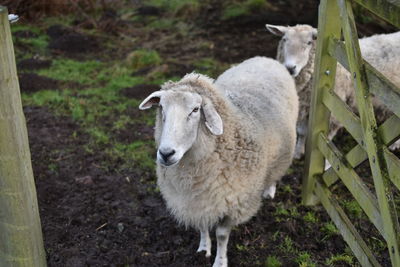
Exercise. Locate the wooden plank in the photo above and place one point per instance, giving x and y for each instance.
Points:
(328, 26)
(393, 164)
(388, 10)
(352, 181)
(21, 242)
(388, 131)
(343, 114)
(384, 89)
(387, 206)
(345, 227)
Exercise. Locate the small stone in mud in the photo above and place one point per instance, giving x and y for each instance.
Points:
(120, 227)
(84, 180)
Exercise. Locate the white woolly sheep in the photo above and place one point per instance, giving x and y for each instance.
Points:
(223, 145)
(296, 50)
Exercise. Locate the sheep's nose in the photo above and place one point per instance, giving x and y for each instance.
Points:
(291, 69)
(166, 153)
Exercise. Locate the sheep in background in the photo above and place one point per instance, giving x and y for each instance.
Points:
(223, 145)
(296, 50)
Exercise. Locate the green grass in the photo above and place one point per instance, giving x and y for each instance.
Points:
(210, 67)
(85, 72)
(273, 261)
(138, 154)
(310, 217)
(304, 260)
(337, 260)
(237, 9)
(177, 7)
(329, 229)
(32, 45)
(353, 208)
(142, 58)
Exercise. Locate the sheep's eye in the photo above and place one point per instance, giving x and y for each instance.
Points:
(309, 43)
(195, 110)
(284, 39)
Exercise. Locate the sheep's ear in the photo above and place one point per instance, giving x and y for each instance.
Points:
(152, 99)
(213, 120)
(277, 30)
(314, 34)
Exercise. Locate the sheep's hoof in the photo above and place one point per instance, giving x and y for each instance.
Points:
(203, 248)
(221, 262)
(395, 145)
(298, 155)
(269, 193)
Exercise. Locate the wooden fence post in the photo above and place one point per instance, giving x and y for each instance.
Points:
(21, 242)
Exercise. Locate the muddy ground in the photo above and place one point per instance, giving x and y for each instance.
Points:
(97, 214)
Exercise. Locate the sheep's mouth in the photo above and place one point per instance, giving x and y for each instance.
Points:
(167, 163)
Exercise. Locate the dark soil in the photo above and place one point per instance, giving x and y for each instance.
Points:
(140, 91)
(33, 64)
(71, 43)
(32, 82)
(92, 216)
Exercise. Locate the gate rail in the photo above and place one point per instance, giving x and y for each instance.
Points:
(336, 19)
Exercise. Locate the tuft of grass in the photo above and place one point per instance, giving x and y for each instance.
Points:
(210, 67)
(142, 58)
(337, 260)
(353, 208)
(99, 136)
(137, 154)
(329, 229)
(310, 217)
(242, 8)
(287, 246)
(182, 8)
(272, 261)
(50, 98)
(304, 260)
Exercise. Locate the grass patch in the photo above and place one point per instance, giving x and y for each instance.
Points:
(353, 208)
(272, 261)
(310, 217)
(210, 67)
(242, 8)
(337, 260)
(138, 154)
(329, 229)
(85, 72)
(181, 8)
(304, 260)
(143, 58)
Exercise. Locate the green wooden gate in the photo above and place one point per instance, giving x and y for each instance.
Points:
(338, 42)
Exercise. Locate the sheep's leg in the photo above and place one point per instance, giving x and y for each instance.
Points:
(301, 130)
(395, 145)
(222, 232)
(269, 192)
(205, 242)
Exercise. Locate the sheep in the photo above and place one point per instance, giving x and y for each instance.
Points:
(296, 50)
(223, 145)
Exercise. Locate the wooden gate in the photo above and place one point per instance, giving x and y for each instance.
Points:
(338, 42)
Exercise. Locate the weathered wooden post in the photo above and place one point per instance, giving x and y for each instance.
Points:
(21, 242)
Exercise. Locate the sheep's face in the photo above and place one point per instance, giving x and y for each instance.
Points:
(295, 45)
(181, 114)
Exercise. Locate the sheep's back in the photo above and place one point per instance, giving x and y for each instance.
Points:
(262, 89)
(383, 52)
